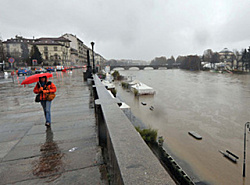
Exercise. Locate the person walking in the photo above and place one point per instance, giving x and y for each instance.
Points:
(44, 87)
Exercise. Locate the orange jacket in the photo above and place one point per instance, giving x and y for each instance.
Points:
(49, 87)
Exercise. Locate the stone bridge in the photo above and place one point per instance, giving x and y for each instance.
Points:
(141, 67)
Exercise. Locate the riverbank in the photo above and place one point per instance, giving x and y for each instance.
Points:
(211, 104)
(162, 154)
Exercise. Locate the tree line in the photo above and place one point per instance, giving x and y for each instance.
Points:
(193, 62)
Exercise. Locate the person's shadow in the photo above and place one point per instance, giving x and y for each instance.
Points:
(50, 162)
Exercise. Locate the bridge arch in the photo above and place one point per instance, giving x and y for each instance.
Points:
(133, 68)
(140, 67)
(117, 68)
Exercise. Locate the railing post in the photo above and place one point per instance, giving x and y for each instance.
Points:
(244, 159)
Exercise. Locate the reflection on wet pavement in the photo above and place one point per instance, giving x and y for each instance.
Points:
(50, 162)
(32, 154)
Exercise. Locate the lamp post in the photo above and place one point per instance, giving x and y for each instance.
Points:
(92, 44)
(247, 125)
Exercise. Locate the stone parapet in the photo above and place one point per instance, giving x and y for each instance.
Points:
(130, 161)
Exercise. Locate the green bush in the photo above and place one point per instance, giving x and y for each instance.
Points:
(125, 85)
(136, 92)
(113, 91)
(116, 75)
(149, 135)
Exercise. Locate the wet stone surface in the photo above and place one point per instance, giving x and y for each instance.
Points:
(67, 153)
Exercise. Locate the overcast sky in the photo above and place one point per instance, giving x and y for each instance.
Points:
(133, 29)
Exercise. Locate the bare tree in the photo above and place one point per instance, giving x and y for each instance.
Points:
(215, 58)
(207, 55)
(238, 57)
(2, 54)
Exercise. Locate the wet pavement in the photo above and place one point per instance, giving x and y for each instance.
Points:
(65, 154)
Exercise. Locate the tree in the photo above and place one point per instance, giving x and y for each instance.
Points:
(35, 55)
(170, 61)
(112, 62)
(159, 61)
(116, 75)
(215, 58)
(244, 59)
(192, 62)
(180, 59)
(25, 52)
(248, 59)
(207, 55)
(2, 55)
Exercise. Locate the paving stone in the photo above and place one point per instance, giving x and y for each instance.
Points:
(6, 147)
(30, 154)
(87, 176)
(60, 126)
(11, 135)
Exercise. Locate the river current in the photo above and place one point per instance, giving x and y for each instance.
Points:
(214, 105)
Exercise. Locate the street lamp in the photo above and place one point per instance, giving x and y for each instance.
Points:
(247, 125)
(92, 44)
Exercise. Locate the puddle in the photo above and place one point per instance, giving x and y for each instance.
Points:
(50, 162)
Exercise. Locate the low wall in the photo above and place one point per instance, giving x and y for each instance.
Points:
(130, 161)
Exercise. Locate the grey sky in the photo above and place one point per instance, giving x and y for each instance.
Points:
(133, 29)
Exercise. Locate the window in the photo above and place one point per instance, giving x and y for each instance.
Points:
(55, 48)
(45, 48)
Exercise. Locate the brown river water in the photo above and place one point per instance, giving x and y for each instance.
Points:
(216, 106)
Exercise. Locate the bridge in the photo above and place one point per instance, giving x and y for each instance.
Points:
(142, 67)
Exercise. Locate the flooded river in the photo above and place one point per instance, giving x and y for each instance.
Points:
(214, 105)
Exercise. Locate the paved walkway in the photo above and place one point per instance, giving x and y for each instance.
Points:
(65, 154)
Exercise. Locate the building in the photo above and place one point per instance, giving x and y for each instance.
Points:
(78, 46)
(74, 56)
(66, 50)
(226, 55)
(99, 60)
(54, 51)
(19, 49)
(231, 59)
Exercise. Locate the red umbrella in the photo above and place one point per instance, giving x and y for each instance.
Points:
(35, 78)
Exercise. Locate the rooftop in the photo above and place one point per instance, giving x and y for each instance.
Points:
(226, 50)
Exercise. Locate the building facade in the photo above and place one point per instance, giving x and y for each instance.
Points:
(55, 51)
(18, 48)
(226, 55)
(77, 45)
(66, 50)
